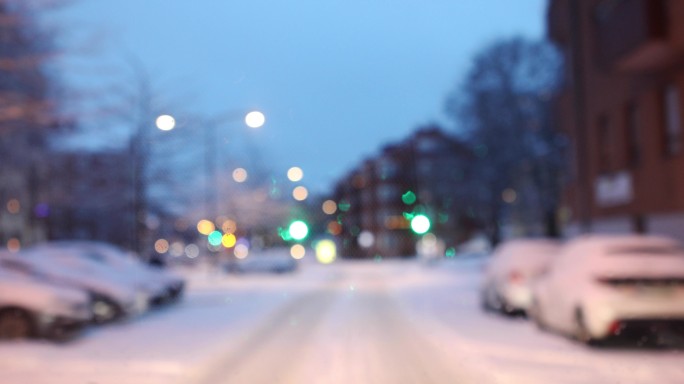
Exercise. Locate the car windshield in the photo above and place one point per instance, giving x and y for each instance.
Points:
(325, 191)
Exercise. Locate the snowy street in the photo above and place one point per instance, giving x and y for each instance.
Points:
(351, 322)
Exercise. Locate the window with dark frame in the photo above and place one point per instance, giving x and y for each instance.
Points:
(604, 144)
(632, 135)
(672, 121)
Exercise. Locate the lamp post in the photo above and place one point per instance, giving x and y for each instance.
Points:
(253, 119)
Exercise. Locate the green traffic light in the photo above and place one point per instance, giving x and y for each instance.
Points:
(420, 224)
(408, 198)
(215, 238)
(298, 230)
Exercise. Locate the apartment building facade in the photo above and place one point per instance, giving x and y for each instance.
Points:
(622, 108)
(419, 175)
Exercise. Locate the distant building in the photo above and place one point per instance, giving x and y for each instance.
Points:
(23, 175)
(623, 110)
(418, 175)
(90, 197)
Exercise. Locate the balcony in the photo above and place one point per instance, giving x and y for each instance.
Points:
(632, 34)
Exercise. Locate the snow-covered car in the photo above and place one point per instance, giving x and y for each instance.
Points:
(506, 283)
(273, 262)
(603, 286)
(29, 307)
(162, 286)
(110, 296)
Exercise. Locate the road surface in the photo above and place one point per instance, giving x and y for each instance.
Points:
(354, 322)
(350, 329)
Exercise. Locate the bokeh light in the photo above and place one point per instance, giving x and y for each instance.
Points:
(408, 198)
(298, 230)
(300, 193)
(344, 206)
(297, 251)
(229, 226)
(229, 240)
(240, 175)
(255, 119)
(326, 251)
(205, 227)
(329, 207)
(13, 245)
(166, 122)
(509, 196)
(241, 251)
(429, 245)
(295, 174)
(161, 246)
(13, 206)
(41, 210)
(334, 228)
(192, 251)
(215, 238)
(420, 224)
(366, 239)
(177, 249)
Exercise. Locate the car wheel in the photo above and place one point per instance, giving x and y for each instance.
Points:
(15, 323)
(105, 310)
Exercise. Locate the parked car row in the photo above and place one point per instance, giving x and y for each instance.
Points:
(593, 288)
(54, 289)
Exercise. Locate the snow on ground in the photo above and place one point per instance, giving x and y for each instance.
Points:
(380, 322)
(513, 350)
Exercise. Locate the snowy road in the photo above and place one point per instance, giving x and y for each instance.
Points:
(389, 322)
(349, 330)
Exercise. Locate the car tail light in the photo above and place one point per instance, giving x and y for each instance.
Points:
(515, 277)
(615, 328)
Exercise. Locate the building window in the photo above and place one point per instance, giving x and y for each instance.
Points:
(632, 135)
(387, 193)
(605, 143)
(672, 120)
(428, 144)
(387, 168)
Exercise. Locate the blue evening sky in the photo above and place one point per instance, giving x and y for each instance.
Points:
(337, 79)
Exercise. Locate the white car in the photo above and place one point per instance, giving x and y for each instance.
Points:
(605, 286)
(506, 284)
(29, 307)
(110, 297)
(275, 261)
(161, 286)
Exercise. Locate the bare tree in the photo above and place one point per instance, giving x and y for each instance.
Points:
(29, 103)
(503, 108)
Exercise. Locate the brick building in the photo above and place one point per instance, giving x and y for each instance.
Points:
(622, 107)
(417, 175)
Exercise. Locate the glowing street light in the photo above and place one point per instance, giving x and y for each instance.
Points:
(298, 230)
(300, 193)
(295, 174)
(240, 175)
(420, 224)
(255, 119)
(166, 122)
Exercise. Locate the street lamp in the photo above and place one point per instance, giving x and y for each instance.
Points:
(166, 122)
(255, 119)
